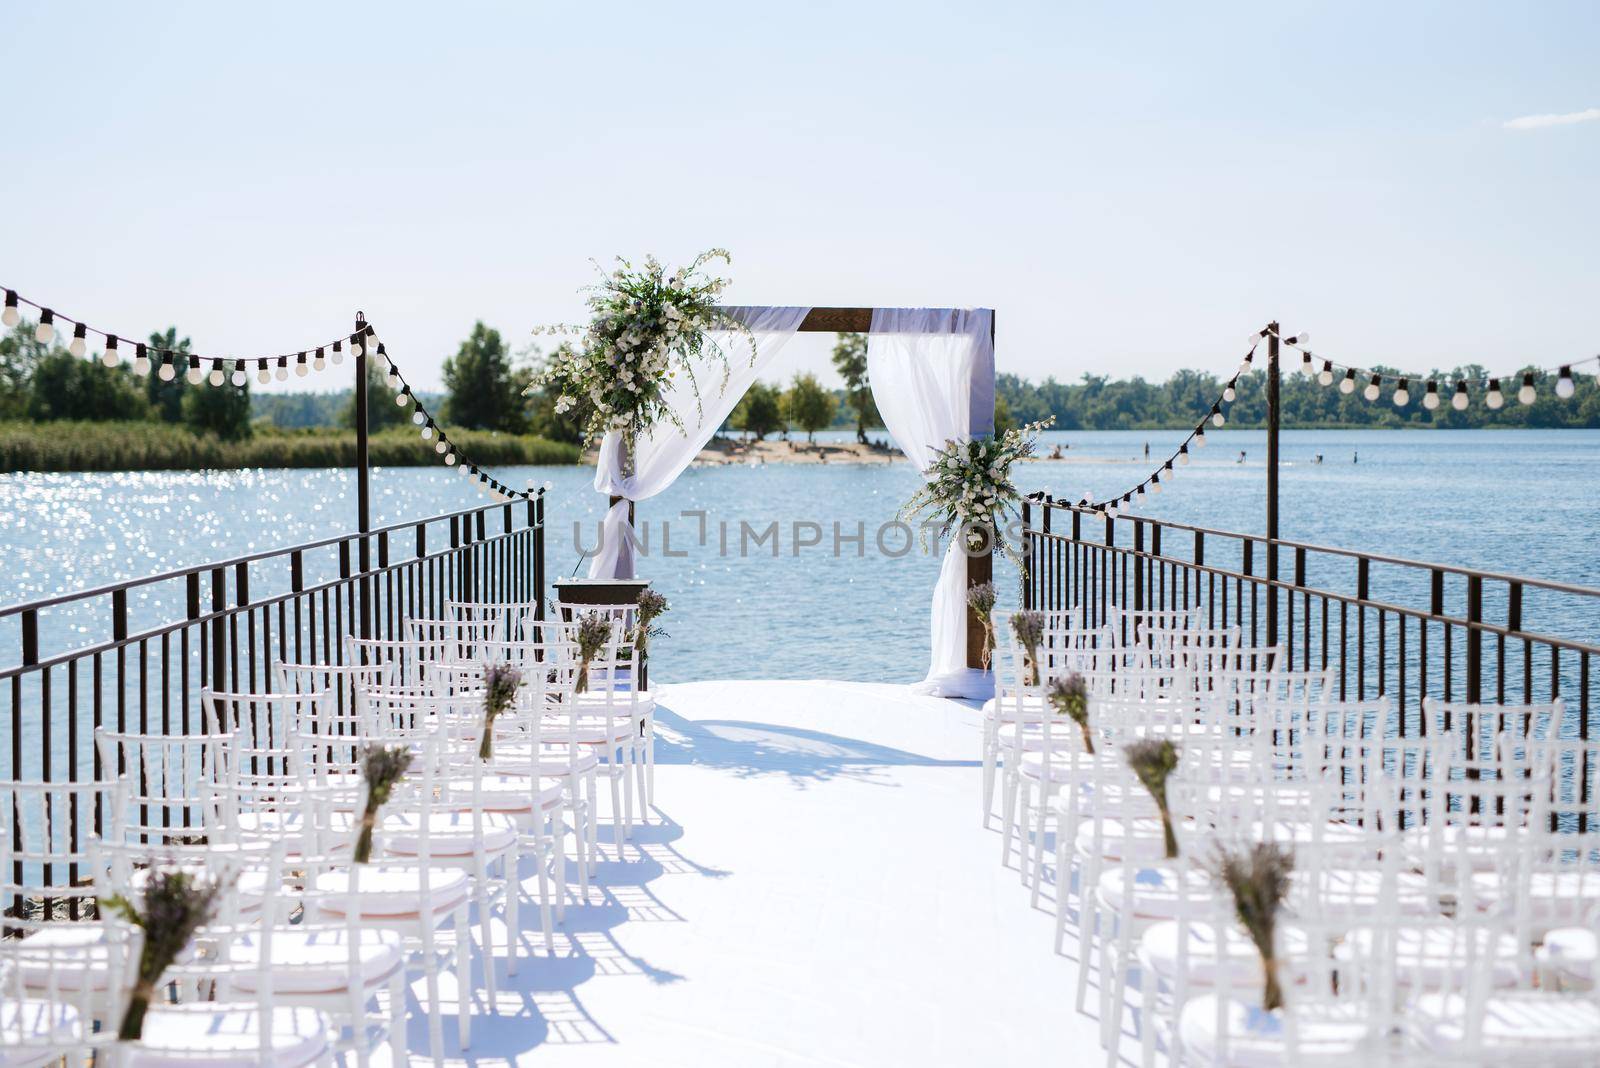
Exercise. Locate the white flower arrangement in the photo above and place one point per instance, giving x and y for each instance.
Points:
(645, 328)
(969, 486)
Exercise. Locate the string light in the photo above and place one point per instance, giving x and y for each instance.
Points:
(79, 344)
(1460, 400)
(1527, 394)
(240, 375)
(1228, 394)
(1430, 399)
(1217, 418)
(111, 356)
(46, 328)
(1348, 383)
(1494, 398)
(1183, 456)
(216, 377)
(263, 372)
(141, 359)
(300, 368)
(1565, 387)
(194, 374)
(1402, 395)
(168, 372)
(12, 314)
(1325, 376)
(281, 372)
(320, 361)
(1374, 388)
(403, 398)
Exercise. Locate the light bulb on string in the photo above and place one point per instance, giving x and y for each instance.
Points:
(1155, 483)
(427, 432)
(1402, 395)
(216, 377)
(1459, 399)
(281, 372)
(141, 359)
(1325, 376)
(1347, 384)
(441, 445)
(1217, 418)
(111, 356)
(195, 374)
(80, 341)
(338, 352)
(1200, 437)
(418, 418)
(393, 376)
(301, 368)
(1527, 394)
(1494, 398)
(449, 458)
(167, 372)
(12, 314)
(263, 372)
(1301, 338)
(1565, 386)
(319, 362)
(1183, 455)
(356, 348)
(1305, 362)
(46, 330)
(240, 375)
(403, 398)
(1374, 388)
(1228, 394)
(1430, 399)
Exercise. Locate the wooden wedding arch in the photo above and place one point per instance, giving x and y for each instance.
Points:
(980, 566)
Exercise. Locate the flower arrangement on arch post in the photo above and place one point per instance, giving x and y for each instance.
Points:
(969, 488)
(980, 599)
(646, 327)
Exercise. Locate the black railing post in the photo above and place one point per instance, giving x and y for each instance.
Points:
(1474, 639)
(363, 487)
(538, 554)
(1273, 418)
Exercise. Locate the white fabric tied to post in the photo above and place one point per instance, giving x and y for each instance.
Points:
(932, 376)
(662, 453)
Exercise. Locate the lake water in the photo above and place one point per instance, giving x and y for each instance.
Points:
(1517, 501)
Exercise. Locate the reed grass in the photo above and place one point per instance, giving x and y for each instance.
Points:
(141, 446)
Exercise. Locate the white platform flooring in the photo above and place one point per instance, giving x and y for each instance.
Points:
(817, 890)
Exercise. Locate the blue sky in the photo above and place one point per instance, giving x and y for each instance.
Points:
(1133, 187)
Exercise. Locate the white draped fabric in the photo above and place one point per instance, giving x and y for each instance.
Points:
(661, 455)
(932, 375)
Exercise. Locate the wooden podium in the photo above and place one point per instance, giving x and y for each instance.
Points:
(574, 593)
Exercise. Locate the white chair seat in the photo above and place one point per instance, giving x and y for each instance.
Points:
(1570, 952)
(1005, 709)
(317, 960)
(596, 699)
(590, 730)
(1159, 950)
(1354, 892)
(77, 955)
(1032, 739)
(505, 794)
(1034, 766)
(1155, 893)
(514, 759)
(450, 834)
(1524, 1027)
(392, 893)
(1139, 838)
(30, 1028)
(1551, 895)
(1482, 846)
(1255, 1037)
(217, 1035)
(1431, 954)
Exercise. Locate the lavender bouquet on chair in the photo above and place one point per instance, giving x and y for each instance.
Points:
(980, 599)
(176, 904)
(1258, 879)
(381, 768)
(500, 684)
(1153, 761)
(1028, 629)
(594, 630)
(650, 605)
(1070, 697)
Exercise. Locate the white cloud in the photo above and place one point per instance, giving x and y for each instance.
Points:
(1540, 122)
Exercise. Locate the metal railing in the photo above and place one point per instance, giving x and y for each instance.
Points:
(1384, 626)
(223, 625)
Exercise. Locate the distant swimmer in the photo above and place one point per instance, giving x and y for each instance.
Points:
(1355, 457)
(1147, 448)
(1055, 453)
(1240, 460)
(1319, 458)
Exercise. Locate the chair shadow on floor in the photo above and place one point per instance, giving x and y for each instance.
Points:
(542, 1005)
(749, 749)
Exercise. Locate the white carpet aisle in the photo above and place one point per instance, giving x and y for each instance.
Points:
(817, 891)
